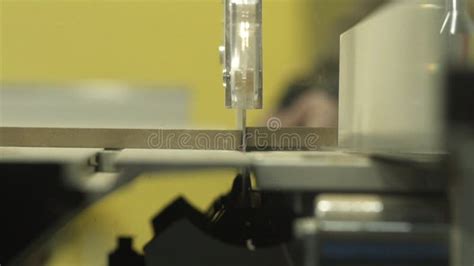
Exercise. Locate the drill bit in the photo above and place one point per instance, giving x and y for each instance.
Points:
(242, 125)
(244, 171)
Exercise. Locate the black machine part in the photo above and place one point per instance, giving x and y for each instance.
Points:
(243, 227)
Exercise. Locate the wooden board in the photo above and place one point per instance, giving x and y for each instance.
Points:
(258, 138)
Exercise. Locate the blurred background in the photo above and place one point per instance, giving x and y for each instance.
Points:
(163, 44)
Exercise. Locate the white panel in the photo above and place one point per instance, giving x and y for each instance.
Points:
(96, 105)
(390, 80)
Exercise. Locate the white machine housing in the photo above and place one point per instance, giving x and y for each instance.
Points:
(391, 67)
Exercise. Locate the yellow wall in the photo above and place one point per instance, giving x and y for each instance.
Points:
(164, 42)
(167, 42)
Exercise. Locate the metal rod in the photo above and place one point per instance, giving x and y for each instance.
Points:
(242, 125)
